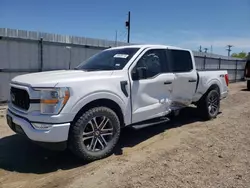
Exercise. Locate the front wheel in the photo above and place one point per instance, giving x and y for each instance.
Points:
(95, 134)
(209, 106)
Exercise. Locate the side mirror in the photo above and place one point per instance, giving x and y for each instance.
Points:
(139, 73)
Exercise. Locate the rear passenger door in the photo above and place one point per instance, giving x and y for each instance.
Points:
(185, 81)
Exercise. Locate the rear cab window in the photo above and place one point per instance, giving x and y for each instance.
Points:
(180, 60)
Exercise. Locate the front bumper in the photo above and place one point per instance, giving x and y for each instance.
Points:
(57, 133)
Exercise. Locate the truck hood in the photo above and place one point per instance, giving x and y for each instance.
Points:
(52, 78)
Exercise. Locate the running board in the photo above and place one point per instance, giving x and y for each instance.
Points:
(149, 123)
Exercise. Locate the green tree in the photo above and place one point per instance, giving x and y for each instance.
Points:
(240, 55)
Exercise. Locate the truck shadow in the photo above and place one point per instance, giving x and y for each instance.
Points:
(20, 155)
(245, 90)
(131, 137)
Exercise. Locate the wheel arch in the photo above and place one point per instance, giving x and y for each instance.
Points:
(213, 86)
(105, 103)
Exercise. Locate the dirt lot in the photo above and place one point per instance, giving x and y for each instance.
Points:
(182, 153)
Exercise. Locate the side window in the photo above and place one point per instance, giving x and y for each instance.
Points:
(154, 61)
(180, 60)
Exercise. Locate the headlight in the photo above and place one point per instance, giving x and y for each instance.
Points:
(53, 99)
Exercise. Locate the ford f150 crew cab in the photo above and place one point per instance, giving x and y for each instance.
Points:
(84, 109)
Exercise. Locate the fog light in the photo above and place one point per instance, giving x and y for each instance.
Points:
(42, 126)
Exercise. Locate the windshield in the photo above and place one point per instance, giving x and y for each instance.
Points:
(114, 59)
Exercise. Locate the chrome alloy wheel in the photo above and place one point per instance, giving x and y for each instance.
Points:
(97, 133)
(213, 104)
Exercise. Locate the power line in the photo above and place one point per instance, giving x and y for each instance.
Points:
(123, 36)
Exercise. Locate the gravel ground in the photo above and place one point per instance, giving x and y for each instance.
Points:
(185, 152)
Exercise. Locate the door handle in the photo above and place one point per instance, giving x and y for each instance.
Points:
(192, 80)
(167, 83)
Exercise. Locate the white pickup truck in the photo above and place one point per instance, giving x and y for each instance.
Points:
(84, 109)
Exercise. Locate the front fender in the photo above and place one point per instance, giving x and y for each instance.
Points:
(95, 96)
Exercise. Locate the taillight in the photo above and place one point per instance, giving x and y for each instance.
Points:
(227, 79)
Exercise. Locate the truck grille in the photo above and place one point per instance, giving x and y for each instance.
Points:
(20, 98)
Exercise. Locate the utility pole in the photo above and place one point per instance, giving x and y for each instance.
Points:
(229, 49)
(128, 27)
(200, 49)
(205, 50)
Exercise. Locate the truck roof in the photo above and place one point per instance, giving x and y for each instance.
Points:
(147, 46)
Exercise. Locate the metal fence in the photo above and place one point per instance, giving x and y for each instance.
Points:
(24, 52)
(235, 67)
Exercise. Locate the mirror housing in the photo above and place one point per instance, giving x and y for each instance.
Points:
(139, 73)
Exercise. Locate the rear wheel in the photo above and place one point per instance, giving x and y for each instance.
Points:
(95, 134)
(248, 85)
(209, 106)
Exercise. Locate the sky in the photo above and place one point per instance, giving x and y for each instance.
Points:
(182, 23)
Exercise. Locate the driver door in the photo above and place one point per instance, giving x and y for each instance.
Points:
(151, 92)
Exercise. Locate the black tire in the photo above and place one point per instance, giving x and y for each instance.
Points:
(79, 146)
(207, 109)
(248, 85)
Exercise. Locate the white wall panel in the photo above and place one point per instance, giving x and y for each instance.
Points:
(4, 54)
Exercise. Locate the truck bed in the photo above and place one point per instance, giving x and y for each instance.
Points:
(210, 77)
